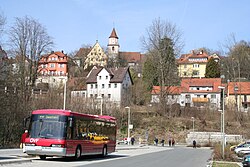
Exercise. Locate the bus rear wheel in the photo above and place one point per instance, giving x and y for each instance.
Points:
(42, 157)
(78, 153)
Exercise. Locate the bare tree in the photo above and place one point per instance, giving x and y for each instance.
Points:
(29, 40)
(2, 23)
(235, 65)
(163, 44)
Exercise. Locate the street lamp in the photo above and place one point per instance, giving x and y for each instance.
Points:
(128, 139)
(193, 124)
(223, 121)
(64, 94)
(100, 97)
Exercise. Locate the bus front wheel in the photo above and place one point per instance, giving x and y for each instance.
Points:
(78, 152)
(42, 157)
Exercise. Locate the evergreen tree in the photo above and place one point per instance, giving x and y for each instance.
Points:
(212, 69)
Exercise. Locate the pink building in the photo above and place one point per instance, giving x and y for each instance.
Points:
(53, 64)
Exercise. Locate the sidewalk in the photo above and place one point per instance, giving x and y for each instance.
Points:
(9, 156)
(12, 156)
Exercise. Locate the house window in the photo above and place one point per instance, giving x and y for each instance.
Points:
(91, 86)
(107, 77)
(109, 96)
(100, 77)
(61, 65)
(196, 65)
(213, 96)
(91, 95)
(185, 73)
(83, 94)
(185, 66)
(109, 85)
(96, 86)
(205, 96)
(173, 97)
(102, 95)
(52, 65)
(103, 86)
(115, 85)
(95, 95)
(195, 72)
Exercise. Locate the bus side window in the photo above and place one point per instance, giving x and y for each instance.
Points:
(69, 133)
(69, 128)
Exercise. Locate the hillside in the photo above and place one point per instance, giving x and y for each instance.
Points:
(180, 124)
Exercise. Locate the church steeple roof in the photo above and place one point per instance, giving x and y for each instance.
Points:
(113, 34)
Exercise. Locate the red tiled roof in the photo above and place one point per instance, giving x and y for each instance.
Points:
(132, 56)
(187, 83)
(243, 88)
(58, 53)
(77, 83)
(113, 34)
(83, 52)
(174, 90)
(200, 54)
(201, 82)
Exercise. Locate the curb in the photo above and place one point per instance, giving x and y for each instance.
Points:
(16, 161)
(131, 148)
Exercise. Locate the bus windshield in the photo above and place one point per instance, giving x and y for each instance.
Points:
(48, 126)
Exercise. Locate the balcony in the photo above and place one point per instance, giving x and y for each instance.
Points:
(200, 100)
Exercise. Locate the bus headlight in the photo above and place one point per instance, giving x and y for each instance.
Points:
(58, 145)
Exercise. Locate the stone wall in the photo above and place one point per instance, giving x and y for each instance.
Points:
(203, 138)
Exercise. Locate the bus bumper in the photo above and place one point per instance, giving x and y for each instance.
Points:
(50, 151)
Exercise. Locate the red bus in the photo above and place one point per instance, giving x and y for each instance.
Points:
(64, 133)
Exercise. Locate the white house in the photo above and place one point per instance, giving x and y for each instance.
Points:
(111, 85)
(193, 92)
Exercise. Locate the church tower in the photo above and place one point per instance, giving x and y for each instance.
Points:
(113, 45)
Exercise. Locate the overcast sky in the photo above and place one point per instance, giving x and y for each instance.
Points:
(73, 23)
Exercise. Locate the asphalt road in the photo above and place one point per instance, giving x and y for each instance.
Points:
(181, 157)
(147, 156)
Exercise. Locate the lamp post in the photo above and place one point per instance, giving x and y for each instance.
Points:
(193, 124)
(223, 121)
(236, 88)
(64, 94)
(100, 97)
(128, 124)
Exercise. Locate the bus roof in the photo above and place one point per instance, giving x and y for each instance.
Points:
(69, 113)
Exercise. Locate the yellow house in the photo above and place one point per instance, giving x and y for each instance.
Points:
(194, 64)
(96, 57)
